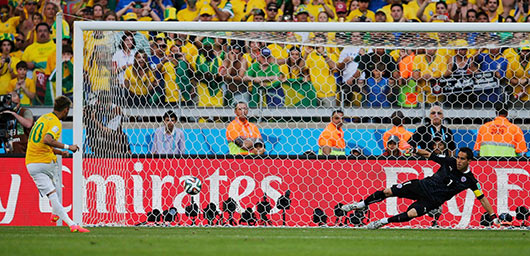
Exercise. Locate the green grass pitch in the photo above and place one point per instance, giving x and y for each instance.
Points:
(261, 241)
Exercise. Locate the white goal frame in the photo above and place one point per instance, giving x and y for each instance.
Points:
(81, 26)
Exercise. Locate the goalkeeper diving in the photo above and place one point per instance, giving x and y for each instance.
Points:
(453, 177)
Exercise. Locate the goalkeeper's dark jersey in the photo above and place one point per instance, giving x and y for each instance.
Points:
(448, 181)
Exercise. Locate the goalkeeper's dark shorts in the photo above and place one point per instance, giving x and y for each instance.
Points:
(412, 190)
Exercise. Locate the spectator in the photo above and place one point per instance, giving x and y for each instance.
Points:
(68, 72)
(98, 12)
(500, 137)
(342, 11)
(141, 42)
(49, 12)
(110, 16)
(32, 32)
(482, 17)
(425, 134)
(177, 74)
(139, 81)
(459, 65)
(243, 137)
(99, 71)
(490, 9)
(243, 9)
(391, 148)
(471, 16)
(331, 140)
(190, 13)
(233, 71)
(425, 9)
(206, 14)
(104, 132)
(272, 12)
(207, 64)
(492, 61)
(19, 126)
(19, 45)
(31, 7)
(121, 60)
(427, 68)
(23, 86)
(36, 56)
(8, 23)
(7, 64)
(314, 7)
(168, 139)
(380, 16)
(519, 79)
(459, 10)
(322, 66)
(156, 62)
(398, 130)
(370, 60)
(188, 49)
(377, 89)
(362, 14)
(223, 9)
(265, 76)
(397, 12)
(441, 14)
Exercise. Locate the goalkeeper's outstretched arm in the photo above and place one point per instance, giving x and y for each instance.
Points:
(421, 152)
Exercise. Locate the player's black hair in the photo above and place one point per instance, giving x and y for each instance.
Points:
(337, 111)
(468, 151)
(170, 114)
(62, 102)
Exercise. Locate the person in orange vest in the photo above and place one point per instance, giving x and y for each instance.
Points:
(331, 140)
(244, 137)
(500, 137)
(398, 130)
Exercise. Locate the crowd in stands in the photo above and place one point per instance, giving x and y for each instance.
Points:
(152, 68)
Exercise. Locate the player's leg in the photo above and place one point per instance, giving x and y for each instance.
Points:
(408, 189)
(41, 176)
(377, 196)
(416, 209)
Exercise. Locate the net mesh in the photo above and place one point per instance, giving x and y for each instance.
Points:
(137, 154)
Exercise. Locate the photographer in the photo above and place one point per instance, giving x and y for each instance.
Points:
(16, 123)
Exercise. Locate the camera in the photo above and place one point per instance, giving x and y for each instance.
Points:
(362, 18)
(5, 119)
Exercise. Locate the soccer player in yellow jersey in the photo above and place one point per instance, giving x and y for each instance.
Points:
(41, 161)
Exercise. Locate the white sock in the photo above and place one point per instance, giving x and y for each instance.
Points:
(361, 204)
(59, 210)
(384, 221)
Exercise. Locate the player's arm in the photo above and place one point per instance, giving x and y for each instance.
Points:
(422, 152)
(50, 141)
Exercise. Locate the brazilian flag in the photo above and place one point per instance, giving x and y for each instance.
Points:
(299, 93)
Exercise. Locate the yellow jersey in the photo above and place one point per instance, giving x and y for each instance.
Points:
(37, 151)
(25, 100)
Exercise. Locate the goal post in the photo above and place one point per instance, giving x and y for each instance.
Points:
(125, 187)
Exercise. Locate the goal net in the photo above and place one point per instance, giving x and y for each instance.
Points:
(156, 103)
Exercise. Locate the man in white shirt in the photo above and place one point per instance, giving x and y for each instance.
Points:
(168, 139)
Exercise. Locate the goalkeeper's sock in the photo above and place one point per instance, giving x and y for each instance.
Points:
(59, 210)
(402, 217)
(378, 196)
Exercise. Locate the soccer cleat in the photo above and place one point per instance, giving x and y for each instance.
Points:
(375, 225)
(77, 228)
(54, 218)
(351, 207)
